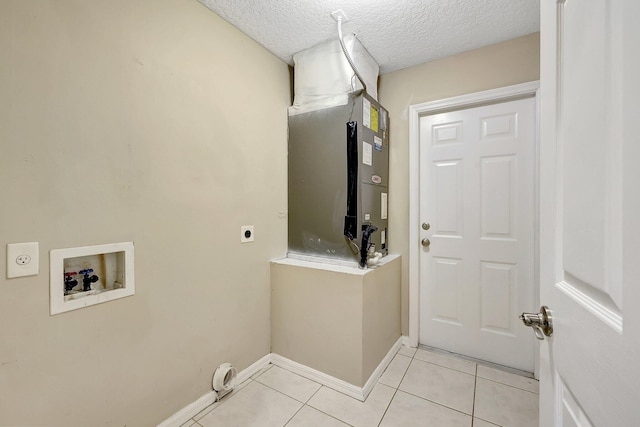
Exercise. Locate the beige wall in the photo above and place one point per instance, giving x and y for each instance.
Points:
(316, 319)
(504, 64)
(380, 315)
(146, 121)
(340, 321)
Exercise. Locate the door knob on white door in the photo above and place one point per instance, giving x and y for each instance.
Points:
(425, 242)
(542, 323)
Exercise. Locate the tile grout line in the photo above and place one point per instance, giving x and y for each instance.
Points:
(453, 357)
(447, 367)
(395, 388)
(285, 394)
(403, 375)
(303, 404)
(387, 408)
(428, 400)
(293, 416)
(488, 422)
(314, 393)
(473, 406)
(321, 411)
(443, 366)
(290, 397)
(437, 403)
(509, 385)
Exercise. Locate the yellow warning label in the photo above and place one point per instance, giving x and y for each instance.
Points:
(374, 119)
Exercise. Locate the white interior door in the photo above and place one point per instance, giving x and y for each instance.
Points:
(590, 210)
(477, 195)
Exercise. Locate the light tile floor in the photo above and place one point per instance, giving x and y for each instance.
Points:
(418, 388)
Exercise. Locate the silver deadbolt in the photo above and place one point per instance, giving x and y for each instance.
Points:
(425, 242)
(426, 226)
(542, 323)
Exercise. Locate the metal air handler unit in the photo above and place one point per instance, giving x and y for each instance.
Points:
(339, 181)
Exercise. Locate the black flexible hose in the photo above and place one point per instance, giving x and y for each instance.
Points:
(364, 249)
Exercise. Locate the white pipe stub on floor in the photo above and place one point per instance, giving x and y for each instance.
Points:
(224, 378)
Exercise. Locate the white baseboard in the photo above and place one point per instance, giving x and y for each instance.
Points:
(337, 384)
(189, 411)
(247, 373)
(377, 373)
(192, 409)
(405, 341)
(317, 376)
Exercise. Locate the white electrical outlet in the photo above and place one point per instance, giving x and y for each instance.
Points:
(22, 259)
(246, 234)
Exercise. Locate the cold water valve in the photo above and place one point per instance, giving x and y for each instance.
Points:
(88, 280)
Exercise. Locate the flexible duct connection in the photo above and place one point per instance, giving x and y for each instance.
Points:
(346, 54)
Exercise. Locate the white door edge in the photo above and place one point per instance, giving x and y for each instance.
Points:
(523, 90)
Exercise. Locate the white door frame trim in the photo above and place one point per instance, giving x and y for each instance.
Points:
(524, 90)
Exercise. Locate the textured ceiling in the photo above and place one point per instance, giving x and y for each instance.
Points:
(397, 33)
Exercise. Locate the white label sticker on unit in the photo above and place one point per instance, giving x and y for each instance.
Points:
(367, 217)
(367, 153)
(383, 205)
(366, 112)
(377, 143)
(383, 237)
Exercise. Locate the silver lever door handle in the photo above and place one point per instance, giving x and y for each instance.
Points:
(542, 323)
